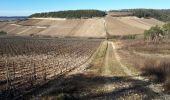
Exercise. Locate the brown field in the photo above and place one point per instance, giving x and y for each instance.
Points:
(52, 68)
(72, 68)
(129, 25)
(95, 27)
(28, 62)
(119, 14)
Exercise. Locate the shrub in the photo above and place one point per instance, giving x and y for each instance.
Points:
(153, 34)
(124, 37)
(129, 37)
(166, 30)
(3, 33)
(156, 33)
(156, 68)
(160, 68)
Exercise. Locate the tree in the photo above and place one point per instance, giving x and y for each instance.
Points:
(154, 34)
(3, 33)
(166, 30)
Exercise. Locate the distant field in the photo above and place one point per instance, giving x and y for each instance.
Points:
(94, 27)
(129, 25)
(58, 28)
(12, 18)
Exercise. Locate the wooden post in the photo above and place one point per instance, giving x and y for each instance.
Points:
(34, 72)
(7, 75)
(32, 75)
(13, 72)
(45, 73)
(54, 73)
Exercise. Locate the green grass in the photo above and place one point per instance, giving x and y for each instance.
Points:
(98, 60)
(123, 37)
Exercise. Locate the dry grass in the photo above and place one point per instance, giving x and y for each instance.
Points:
(156, 67)
(97, 62)
(159, 69)
(147, 47)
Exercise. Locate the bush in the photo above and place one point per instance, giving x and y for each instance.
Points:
(157, 33)
(166, 30)
(160, 68)
(153, 34)
(157, 68)
(3, 33)
(124, 37)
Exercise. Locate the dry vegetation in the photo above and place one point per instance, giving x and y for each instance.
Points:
(28, 62)
(151, 58)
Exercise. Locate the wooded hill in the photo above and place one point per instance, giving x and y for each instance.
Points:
(162, 14)
(71, 14)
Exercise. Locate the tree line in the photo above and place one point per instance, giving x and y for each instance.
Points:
(147, 13)
(71, 14)
(160, 14)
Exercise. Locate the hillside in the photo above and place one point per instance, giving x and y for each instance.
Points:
(94, 27)
(129, 25)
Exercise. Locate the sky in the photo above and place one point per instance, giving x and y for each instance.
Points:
(28, 7)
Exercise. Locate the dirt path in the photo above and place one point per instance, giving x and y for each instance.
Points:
(128, 72)
(106, 79)
(108, 67)
(124, 68)
(122, 77)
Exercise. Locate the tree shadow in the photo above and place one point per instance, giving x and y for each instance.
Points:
(84, 87)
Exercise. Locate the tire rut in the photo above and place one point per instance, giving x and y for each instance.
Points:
(114, 82)
(161, 95)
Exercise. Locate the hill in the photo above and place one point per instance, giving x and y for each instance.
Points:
(129, 25)
(93, 27)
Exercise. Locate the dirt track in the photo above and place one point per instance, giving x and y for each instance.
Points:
(94, 27)
(112, 80)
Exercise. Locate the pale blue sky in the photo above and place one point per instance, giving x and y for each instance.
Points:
(27, 7)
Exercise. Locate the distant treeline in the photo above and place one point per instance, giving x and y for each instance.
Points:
(72, 14)
(163, 14)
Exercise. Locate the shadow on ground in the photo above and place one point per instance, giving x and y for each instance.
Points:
(82, 86)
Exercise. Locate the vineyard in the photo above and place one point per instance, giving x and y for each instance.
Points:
(27, 62)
